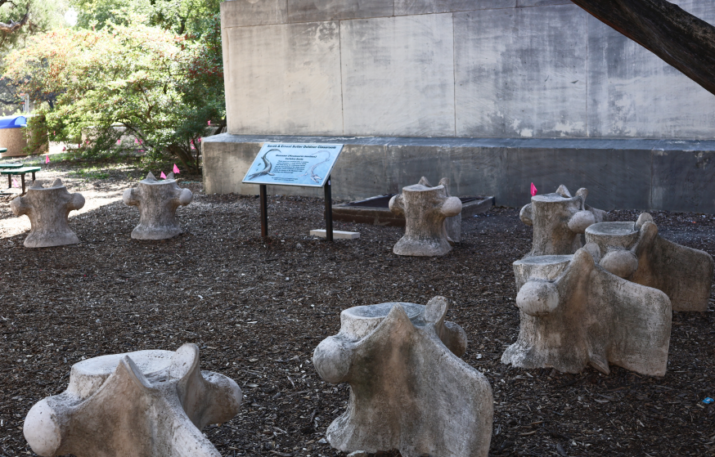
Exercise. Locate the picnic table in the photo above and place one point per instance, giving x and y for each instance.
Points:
(19, 171)
(11, 165)
(3, 150)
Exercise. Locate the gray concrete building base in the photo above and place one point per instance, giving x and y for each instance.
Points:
(672, 175)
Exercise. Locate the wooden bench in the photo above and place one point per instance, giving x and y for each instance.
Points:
(19, 171)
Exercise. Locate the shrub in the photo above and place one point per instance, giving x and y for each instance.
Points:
(162, 87)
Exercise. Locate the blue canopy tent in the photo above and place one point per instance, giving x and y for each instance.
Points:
(13, 122)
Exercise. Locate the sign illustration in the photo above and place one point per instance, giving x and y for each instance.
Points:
(291, 164)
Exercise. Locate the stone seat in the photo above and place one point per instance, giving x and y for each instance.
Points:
(409, 389)
(144, 403)
(636, 252)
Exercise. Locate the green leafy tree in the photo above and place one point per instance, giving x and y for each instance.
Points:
(21, 18)
(18, 20)
(158, 85)
(180, 16)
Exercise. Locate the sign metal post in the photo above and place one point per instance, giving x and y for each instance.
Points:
(264, 211)
(328, 211)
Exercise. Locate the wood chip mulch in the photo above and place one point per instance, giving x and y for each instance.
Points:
(258, 309)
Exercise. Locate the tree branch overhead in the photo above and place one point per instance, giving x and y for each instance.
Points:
(676, 36)
(14, 26)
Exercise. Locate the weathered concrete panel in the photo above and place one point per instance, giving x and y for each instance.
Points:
(614, 178)
(328, 10)
(475, 170)
(632, 93)
(631, 174)
(225, 164)
(283, 78)
(684, 180)
(405, 7)
(407, 163)
(239, 13)
(522, 68)
(398, 76)
(521, 72)
(361, 169)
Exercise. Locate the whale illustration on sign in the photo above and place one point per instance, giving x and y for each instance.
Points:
(311, 172)
(267, 164)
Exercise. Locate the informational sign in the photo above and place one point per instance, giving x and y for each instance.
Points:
(289, 164)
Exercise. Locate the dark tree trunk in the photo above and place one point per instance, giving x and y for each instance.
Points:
(681, 39)
(221, 125)
(184, 156)
(14, 26)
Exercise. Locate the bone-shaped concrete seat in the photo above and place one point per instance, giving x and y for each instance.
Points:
(48, 208)
(140, 404)
(409, 388)
(635, 251)
(452, 224)
(425, 209)
(559, 220)
(574, 313)
(157, 201)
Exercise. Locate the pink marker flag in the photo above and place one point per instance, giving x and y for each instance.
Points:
(119, 141)
(198, 140)
(136, 141)
(209, 122)
(47, 158)
(533, 189)
(162, 175)
(176, 170)
(15, 183)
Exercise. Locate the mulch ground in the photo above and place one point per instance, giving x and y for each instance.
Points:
(258, 309)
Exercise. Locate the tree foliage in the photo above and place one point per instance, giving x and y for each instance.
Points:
(180, 16)
(156, 84)
(20, 19)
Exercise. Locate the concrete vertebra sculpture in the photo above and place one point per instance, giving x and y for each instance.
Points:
(559, 220)
(157, 201)
(452, 224)
(409, 388)
(143, 404)
(635, 251)
(574, 313)
(48, 208)
(425, 209)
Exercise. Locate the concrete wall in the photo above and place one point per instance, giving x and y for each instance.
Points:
(450, 68)
(634, 174)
